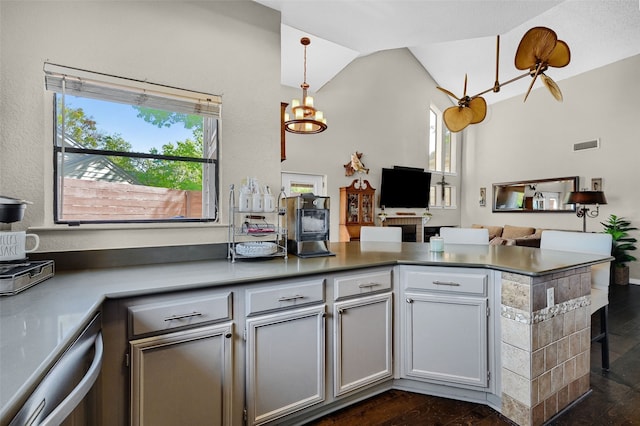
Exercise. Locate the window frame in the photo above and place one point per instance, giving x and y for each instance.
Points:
(440, 172)
(179, 100)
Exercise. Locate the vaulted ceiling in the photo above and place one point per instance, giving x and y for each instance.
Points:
(451, 38)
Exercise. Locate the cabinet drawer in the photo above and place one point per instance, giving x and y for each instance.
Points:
(358, 284)
(171, 314)
(443, 281)
(285, 296)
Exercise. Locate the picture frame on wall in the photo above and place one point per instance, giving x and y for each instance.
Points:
(483, 197)
(596, 184)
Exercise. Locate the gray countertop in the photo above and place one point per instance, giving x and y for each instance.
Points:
(39, 323)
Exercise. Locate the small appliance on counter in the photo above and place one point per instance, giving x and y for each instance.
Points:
(308, 225)
(17, 272)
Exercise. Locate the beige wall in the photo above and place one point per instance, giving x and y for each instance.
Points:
(226, 48)
(378, 105)
(532, 140)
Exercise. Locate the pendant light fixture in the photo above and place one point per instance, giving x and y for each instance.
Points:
(306, 119)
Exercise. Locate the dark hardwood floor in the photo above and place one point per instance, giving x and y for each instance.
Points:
(615, 397)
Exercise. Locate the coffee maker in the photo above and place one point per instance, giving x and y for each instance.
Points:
(308, 225)
(17, 272)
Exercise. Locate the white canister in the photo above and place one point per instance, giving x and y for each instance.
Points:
(245, 202)
(269, 203)
(257, 203)
(436, 243)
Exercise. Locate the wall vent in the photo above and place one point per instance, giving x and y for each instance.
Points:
(586, 145)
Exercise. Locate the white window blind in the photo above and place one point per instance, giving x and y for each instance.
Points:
(89, 84)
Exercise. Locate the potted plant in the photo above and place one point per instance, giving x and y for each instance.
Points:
(619, 229)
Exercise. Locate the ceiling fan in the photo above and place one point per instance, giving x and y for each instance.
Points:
(538, 50)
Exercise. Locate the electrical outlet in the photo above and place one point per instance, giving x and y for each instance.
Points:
(550, 301)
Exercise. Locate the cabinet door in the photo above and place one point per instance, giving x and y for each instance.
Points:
(367, 208)
(445, 338)
(285, 363)
(183, 378)
(362, 342)
(353, 208)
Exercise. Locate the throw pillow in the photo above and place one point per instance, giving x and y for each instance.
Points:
(516, 231)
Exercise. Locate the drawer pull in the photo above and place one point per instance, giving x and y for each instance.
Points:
(290, 298)
(409, 300)
(369, 285)
(183, 316)
(449, 283)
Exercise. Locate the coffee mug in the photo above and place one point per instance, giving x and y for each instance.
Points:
(13, 245)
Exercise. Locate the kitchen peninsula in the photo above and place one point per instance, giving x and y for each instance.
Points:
(507, 285)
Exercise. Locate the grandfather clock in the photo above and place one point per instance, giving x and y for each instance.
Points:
(357, 209)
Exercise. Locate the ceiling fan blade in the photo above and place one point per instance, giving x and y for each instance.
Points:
(448, 93)
(560, 56)
(457, 118)
(536, 46)
(479, 108)
(552, 86)
(538, 68)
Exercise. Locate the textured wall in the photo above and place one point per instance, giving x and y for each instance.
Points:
(227, 48)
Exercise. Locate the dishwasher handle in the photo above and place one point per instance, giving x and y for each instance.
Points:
(66, 407)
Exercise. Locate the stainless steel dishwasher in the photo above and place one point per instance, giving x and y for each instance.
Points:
(61, 396)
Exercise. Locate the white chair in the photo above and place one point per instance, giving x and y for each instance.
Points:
(583, 242)
(478, 236)
(381, 233)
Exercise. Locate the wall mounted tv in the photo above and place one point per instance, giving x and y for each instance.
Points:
(405, 187)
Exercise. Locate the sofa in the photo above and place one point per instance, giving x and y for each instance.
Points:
(509, 235)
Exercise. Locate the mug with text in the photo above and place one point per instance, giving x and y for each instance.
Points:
(13, 245)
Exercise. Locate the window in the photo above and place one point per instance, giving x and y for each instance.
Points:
(442, 161)
(131, 151)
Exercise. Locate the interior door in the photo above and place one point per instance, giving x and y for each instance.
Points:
(297, 183)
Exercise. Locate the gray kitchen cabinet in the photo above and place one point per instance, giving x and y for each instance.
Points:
(445, 321)
(285, 350)
(181, 360)
(362, 324)
(362, 342)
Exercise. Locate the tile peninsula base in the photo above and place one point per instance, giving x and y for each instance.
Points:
(545, 347)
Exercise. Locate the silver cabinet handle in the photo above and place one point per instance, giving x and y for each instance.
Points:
(409, 300)
(290, 298)
(449, 283)
(369, 285)
(183, 316)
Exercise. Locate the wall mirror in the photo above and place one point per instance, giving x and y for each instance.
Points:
(535, 196)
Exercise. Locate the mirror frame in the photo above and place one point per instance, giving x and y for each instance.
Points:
(568, 208)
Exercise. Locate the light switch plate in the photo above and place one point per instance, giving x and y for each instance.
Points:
(550, 301)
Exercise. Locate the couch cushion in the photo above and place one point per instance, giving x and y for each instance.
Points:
(494, 231)
(516, 231)
(497, 241)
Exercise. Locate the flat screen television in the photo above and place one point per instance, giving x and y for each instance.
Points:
(405, 187)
